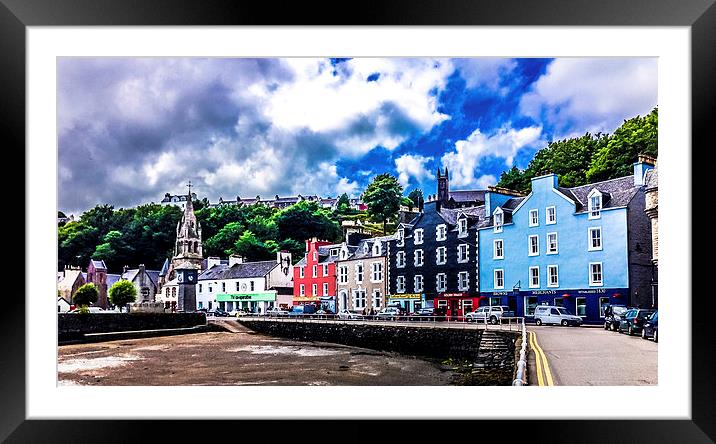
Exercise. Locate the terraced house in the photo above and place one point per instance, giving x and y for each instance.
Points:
(361, 279)
(582, 247)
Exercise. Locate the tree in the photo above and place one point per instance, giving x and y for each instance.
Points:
(223, 242)
(86, 295)
(383, 197)
(417, 197)
(305, 220)
(122, 293)
(253, 249)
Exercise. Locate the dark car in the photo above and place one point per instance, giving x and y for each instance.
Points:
(613, 315)
(423, 314)
(633, 320)
(219, 313)
(651, 327)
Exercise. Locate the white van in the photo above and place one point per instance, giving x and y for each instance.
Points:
(552, 314)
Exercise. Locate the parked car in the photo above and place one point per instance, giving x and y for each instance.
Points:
(651, 327)
(299, 310)
(91, 310)
(491, 313)
(391, 313)
(553, 314)
(424, 314)
(219, 313)
(347, 315)
(633, 321)
(613, 316)
(241, 312)
(276, 312)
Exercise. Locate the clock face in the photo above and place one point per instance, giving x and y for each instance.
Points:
(180, 277)
(191, 278)
(243, 286)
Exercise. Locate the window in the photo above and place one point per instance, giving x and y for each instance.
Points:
(400, 259)
(595, 239)
(498, 251)
(462, 253)
(334, 251)
(237, 285)
(551, 243)
(377, 299)
(344, 253)
(359, 273)
(534, 277)
(401, 237)
(315, 271)
(325, 289)
(343, 274)
(315, 256)
(595, 274)
(462, 227)
(441, 255)
(359, 298)
(325, 270)
(466, 306)
(199, 289)
(581, 304)
(418, 284)
(400, 284)
(376, 249)
(498, 220)
(534, 218)
(377, 275)
(366, 248)
(210, 289)
(442, 303)
(315, 289)
(552, 276)
(495, 301)
(595, 204)
(252, 285)
(418, 236)
(303, 289)
(533, 242)
(463, 281)
(499, 279)
(530, 305)
(300, 269)
(441, 282)
(418, 258)
(603, 303)
(441, 232)
(551, 215)
(201, 304)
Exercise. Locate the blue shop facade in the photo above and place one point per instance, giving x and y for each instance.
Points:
(582, 248)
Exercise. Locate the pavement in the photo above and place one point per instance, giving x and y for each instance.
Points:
(590, 355)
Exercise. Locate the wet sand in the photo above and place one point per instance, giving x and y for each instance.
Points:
(242, 358)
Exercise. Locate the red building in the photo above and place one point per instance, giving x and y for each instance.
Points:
(314, 276)
(97, 275)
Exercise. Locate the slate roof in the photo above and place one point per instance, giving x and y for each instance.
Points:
(131, 274)
(618, 193)
(468, 195)
(100, 265)
(112, 279)
(68, 280)
(165, 268)
(473, 214)
(359, 250)
(238, 271)
(324, 253)
(651, 179)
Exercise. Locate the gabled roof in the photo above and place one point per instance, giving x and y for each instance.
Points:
(473, 214)
(99, 265)
(620, 191)
(324, 253)
(69, 279)
(112, 279)
(238, 271)
(359, 251)
(130, 275)
(165, 268)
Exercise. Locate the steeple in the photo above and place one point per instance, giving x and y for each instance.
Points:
(188, 242)
(443, 186)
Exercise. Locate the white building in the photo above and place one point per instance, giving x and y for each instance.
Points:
(252, 286)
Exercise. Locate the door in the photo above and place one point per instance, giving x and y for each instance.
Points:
(554, 316)
(453, 308)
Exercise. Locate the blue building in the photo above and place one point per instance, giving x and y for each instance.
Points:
(582, 247)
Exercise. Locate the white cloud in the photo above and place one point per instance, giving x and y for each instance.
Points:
(485, 181)
(484, 71)
(577, 95)
(411, 165)
(505, 143)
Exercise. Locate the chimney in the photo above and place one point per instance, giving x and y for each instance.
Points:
(211, 261)
(141, 274)
(642, 165)
(235, 259)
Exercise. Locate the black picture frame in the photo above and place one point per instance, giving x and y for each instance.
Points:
(16, 15)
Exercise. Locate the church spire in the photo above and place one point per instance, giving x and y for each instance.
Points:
(188, 246)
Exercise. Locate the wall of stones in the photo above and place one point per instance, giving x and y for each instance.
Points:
(430, 342)
(74, 325)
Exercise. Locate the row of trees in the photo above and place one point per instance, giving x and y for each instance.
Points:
(146, 234)
(121, 293)
(590, 158)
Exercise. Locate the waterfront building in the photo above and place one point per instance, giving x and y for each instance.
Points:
(177, 199)
(145, 281)
(314, 276)
(69, 281)
(97, 274)
(361, 275)
(582, 247)
(651, 192)
(252, 286)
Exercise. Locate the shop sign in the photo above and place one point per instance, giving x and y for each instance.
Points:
(536, 292)
(406, 296)
(306, 298)
(453, 295)
(592, 291)
(501, 293)
(267, 296)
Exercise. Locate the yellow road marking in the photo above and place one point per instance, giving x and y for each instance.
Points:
(540, 355)
(540, 379)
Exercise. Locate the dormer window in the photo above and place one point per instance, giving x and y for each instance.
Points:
(366, 248)
(462, 227)
(595, 204)
(401, 237)
(499, 220)
(334, 251)
(441, 232)
(376, 249)
(344, 254)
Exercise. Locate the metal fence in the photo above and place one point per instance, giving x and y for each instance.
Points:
(521, 375)
(502, 323)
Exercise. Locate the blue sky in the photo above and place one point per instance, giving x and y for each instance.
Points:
(132, 129)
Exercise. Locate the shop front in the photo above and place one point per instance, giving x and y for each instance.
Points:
(257, 302)
(588, 303)
(328, 303)
(456, 305)
(307, 300)
(409, 302)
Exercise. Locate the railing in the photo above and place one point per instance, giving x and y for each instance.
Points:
(520, 377)
(500, 323)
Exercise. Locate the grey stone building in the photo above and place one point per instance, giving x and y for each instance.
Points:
(361, 275)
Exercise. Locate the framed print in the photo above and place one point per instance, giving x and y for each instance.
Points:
(274, 101)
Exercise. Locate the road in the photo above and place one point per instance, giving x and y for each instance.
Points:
(592, 356)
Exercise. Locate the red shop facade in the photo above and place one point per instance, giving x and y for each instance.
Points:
(457, 304)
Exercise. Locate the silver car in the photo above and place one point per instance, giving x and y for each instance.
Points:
(552, 314)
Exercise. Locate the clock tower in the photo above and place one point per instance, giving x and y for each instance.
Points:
(187, 275)
(188, 248)
(443, 186)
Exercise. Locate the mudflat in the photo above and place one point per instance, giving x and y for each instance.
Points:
(239, 358)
